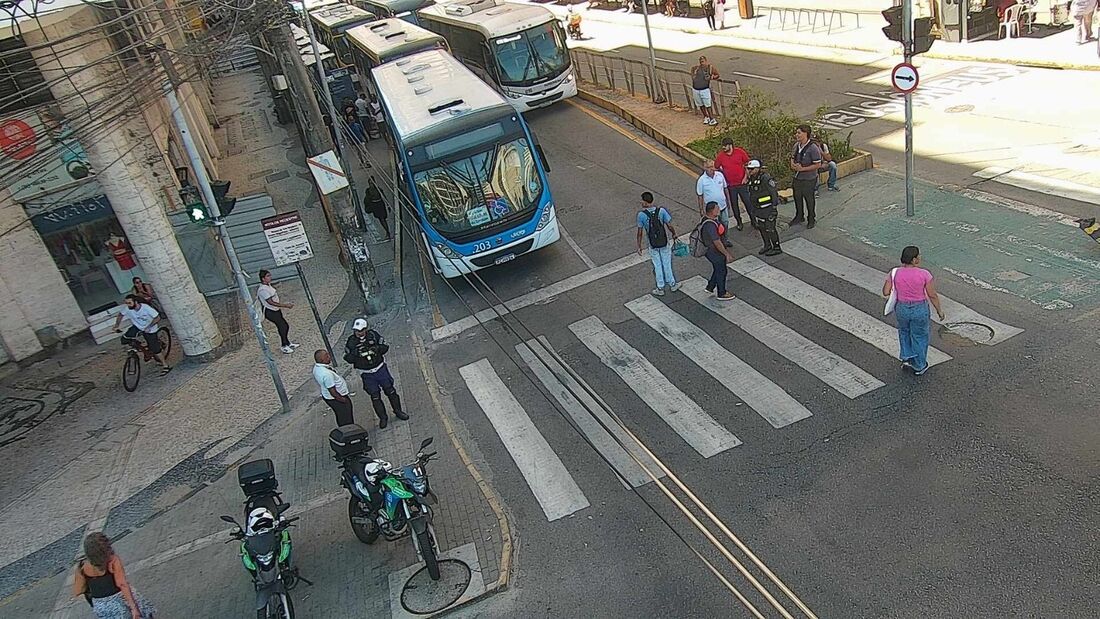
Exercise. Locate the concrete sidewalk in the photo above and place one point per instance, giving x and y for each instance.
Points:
(1046, 47)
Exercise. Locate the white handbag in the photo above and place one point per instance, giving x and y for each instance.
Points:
(893, 300)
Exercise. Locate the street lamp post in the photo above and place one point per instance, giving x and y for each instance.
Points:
(657, 96)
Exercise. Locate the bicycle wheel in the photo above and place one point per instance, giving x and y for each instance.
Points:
(131, 371)
(165, 337)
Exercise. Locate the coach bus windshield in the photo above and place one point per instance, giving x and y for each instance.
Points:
(477, 189)
(529, 56)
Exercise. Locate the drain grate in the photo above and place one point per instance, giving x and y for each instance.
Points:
(423, 596)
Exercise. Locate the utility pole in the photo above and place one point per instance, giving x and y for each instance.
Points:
(657, 96)
(907, 47)
(197, 166)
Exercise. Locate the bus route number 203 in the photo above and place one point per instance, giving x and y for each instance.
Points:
(482, 246)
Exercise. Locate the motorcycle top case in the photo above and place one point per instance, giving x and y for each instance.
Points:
(349, 440)
(257, 477)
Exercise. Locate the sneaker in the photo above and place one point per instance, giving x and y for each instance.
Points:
(709, 290)
(907, 365)
(811, 224)
(725, 297)
(921, 371)
(675, 287)
(740, 226)
(795, 221)
(834, 188)
(775, 251)
(817, 194)
(287, 349)
(164, 370)
(402, 415)
(294, 345)
(658, 292)
(383, 422)
(763, 250)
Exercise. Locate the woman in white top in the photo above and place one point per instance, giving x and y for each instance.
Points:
(273, 310)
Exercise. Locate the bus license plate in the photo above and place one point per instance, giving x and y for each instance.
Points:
(504, 259)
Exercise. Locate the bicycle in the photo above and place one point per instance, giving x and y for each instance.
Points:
(131, 369)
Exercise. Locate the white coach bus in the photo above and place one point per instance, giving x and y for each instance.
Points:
(519, 48)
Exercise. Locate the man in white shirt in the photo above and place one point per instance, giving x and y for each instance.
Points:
(143, 320)
(273, 310)
(711, 187)
(362, 110)
(334, 389)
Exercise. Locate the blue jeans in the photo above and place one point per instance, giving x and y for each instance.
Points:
(914, 322)
(717, 279)
(832, 175)
(662, 265)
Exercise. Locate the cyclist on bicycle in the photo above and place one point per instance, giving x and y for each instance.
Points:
(143, 320)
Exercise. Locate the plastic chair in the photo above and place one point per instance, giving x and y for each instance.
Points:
(1011, 21)
(1029, 13)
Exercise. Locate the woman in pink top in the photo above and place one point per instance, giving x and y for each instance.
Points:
(915, 289)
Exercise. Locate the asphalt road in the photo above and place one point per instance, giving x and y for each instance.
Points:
(804, 84)
(969, 493)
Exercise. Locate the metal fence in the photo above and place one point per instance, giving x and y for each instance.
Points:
(633, 77)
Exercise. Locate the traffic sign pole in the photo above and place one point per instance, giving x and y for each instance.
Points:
(907, 46)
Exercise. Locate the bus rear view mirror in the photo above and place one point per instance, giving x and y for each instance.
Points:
(542, 156)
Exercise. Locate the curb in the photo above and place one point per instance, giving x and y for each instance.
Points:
(487, 490)
(862, 161)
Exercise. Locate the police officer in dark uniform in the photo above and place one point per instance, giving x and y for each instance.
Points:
(764, 198)
(366, 350)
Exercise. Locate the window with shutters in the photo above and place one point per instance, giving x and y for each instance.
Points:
(21, 83)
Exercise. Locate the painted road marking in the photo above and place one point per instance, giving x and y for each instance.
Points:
(845, 377)
(542, 294)
(544, 472)
(1042, 184)
(768, 399)
(577, 248)
(827, 307)
(871, 279)
(680, 412)
(754, 76)
(581, 406)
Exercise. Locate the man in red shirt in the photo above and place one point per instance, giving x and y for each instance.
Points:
(731, 161)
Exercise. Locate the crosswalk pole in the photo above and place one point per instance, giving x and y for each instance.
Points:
(907, 46)
(657, 96)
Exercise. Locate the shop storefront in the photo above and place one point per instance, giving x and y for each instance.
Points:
(967, 20)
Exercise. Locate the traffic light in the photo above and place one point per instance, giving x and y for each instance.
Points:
(225, 203)
(922, 35)
(893, 23)
(192, 203)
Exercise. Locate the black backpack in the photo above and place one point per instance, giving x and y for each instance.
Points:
(658, 235)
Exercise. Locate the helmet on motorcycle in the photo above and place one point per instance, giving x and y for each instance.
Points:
(260, 519)
(374, 470)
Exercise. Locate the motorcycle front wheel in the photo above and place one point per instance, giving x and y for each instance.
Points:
(427, 550)
(366, 529)
(279, 607)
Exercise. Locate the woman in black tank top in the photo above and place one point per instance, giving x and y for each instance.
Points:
(101, 579)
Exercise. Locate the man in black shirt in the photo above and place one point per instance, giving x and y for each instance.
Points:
(366, 350)
(805, 161)
(710, 235)
(375, 205)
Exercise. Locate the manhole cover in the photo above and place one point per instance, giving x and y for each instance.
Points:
(966, 333)
(958, 109)
(424, 596)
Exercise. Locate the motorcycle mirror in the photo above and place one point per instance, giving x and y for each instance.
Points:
(427, 441)
(229, 519)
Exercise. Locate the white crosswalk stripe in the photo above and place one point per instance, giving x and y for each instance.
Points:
(680, 412)
(871, 279)
(550, 482)
(845, 377)
(581, 406)
(827, 307)
(762, 395)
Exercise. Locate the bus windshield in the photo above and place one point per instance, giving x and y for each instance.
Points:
(530, 55)
(469, 193)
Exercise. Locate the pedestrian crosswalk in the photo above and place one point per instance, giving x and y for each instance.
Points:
(704, 348)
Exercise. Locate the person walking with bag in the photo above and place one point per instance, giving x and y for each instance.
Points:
(909, 290)
(655, 224)
(101, 579)
(707, 241)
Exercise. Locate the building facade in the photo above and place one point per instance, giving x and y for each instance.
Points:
(91, 166)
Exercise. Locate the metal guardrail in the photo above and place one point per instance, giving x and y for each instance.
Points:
(633, 77)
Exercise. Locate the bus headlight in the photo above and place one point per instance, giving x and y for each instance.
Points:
(547, 217)
(447, 251)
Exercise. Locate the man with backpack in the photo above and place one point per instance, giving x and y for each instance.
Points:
(655, 224)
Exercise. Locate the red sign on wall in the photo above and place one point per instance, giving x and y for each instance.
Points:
(17, 139)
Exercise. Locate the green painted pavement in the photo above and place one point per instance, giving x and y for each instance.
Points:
(1041, 259)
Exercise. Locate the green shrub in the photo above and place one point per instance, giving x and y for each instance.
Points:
(756, 122)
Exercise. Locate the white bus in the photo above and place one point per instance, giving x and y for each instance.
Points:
(331, 23)
(387, 40)
(518, 47)
(405, 9)
(469, 164)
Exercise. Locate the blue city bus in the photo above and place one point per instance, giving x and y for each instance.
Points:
(469, 164)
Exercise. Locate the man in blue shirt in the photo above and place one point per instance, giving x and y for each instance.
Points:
(655, 225)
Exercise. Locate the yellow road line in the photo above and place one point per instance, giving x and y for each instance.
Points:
(633, 138)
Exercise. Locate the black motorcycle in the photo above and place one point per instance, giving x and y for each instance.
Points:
(265, 540)
(384, 500)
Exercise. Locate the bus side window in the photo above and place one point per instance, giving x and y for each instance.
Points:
(487, 61)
